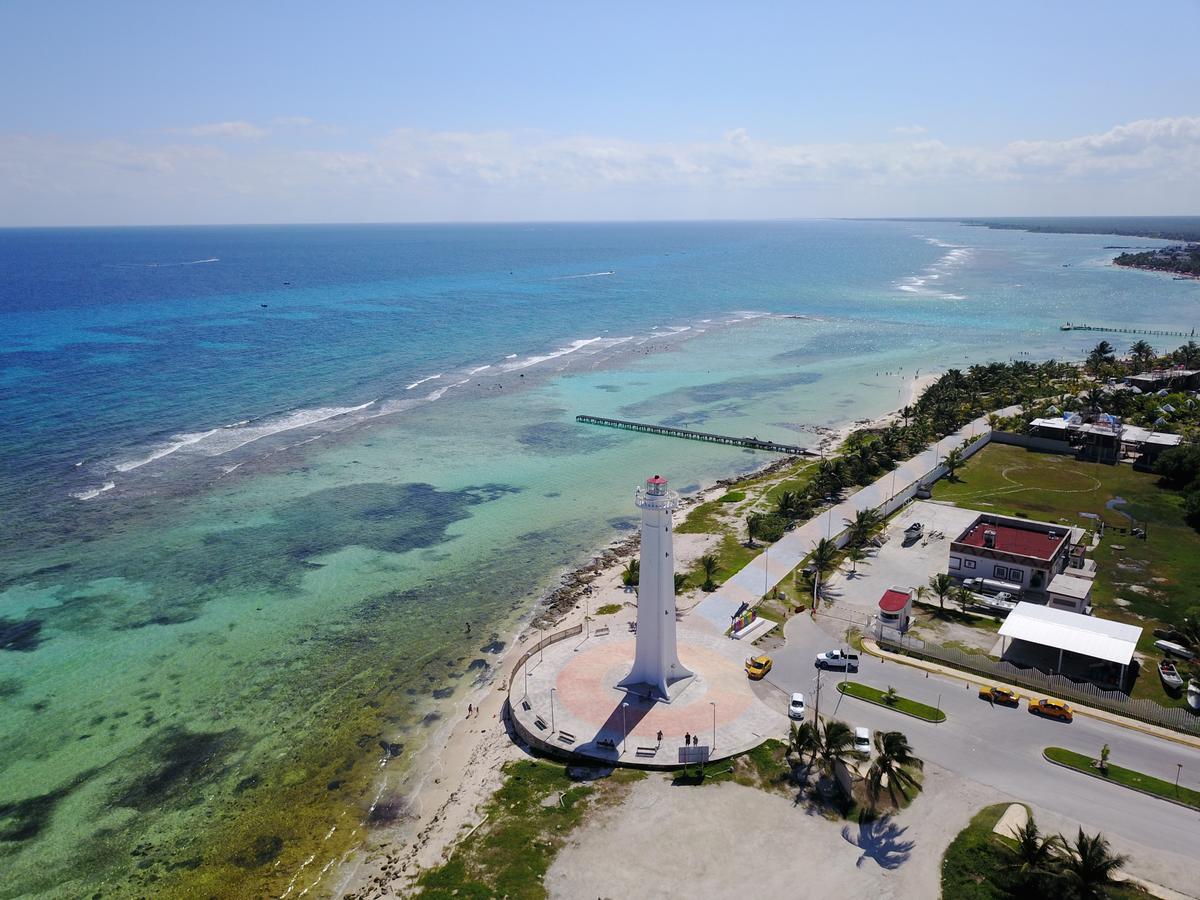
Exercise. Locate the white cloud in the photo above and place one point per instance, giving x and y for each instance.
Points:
(1145, 166)
(240, 130)
(292, 122)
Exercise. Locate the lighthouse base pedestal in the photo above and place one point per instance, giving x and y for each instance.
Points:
(646, 691)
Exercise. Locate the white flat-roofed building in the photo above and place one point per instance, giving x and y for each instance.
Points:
(1070, 592)
(1068, 632)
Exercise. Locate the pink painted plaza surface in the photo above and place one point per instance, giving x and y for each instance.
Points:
(587, 703)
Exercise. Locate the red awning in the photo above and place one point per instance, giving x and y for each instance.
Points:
(893, 601)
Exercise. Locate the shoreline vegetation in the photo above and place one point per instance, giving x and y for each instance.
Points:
(788, 490)
(722, 528)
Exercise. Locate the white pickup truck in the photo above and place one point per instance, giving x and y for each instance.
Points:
(837, 659)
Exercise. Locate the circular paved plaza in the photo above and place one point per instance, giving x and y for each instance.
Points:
(566, 699)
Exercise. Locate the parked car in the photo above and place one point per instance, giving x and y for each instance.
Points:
(757, 667)
(837, 659)
(796, 707)
(1052, 709)
(862, 740)
(1000, 695)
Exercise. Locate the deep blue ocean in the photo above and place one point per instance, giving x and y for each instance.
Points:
(248, 474)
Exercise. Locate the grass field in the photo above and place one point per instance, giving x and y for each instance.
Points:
(1125, 777)
(902, 704)
(978, 864)
(1146, 582)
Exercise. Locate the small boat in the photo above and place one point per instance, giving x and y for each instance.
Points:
(1169, 675)
(1066, 326)
(1193, 694)
(914, 529)
(1173, 648)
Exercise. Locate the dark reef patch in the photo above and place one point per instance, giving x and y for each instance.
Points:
(179, 761)
(561, 438)
(738, 389)
(23, 635)
(493, 646)
(264, 849)
(10, 687)
(23, 820)
(623, 524)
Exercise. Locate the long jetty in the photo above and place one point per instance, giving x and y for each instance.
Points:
(751, 442)
(1071, 326)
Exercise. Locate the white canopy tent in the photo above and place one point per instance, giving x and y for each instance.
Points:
(1070, 631)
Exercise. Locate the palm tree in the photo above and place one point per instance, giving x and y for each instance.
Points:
(1142, 353)
(1088, 866)
(861, 526)
(855, 554)
(893, 760)
(709, 566)
(1037, 854)
(631, 575)
(940, 586)
(953, 461)
(802, 739)
(823, 554)
(786, 504)
(963, 597)
(835, 744)
(1188, 354)
(680, 581)
(754, 523)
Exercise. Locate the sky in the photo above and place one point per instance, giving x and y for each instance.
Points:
(125, 113)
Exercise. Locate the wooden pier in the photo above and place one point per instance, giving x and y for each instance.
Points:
(1071, 326)
(752, 443)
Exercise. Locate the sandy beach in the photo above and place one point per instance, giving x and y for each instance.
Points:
(461, 766)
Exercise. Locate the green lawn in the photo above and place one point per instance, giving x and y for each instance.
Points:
(978, 865)
(1165, 567)
(608, 609)
(1126, 777)
(902, 704)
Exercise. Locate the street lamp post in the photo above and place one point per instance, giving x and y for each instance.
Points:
(1178, 771)
(713, 704)
(526, 697)
(624, 728)
(552, 728)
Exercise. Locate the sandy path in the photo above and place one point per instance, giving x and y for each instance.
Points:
(462, 769)
(667, 841)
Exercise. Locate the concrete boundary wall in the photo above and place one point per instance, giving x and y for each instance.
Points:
(1029, 442)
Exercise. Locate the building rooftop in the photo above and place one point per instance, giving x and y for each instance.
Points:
(894, 600)
(1032, 539)
(1066, 585)
(1070, 631)
(1138, 435)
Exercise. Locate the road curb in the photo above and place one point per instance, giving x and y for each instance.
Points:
(873, 649)
(1127, 787)
(940, 721)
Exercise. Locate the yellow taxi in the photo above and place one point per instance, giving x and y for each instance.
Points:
(757, 667)
(1052, 709)
(999, 695)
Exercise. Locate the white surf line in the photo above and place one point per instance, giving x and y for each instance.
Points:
(585, 275)
(93, 493)
(421, 381)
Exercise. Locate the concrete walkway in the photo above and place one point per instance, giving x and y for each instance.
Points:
(774, 564)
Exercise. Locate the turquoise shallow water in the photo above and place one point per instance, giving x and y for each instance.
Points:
(239, 549)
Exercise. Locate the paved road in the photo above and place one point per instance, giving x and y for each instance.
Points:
(771, 567)
(1001, 746)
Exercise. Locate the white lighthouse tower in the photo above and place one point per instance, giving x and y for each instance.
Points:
(656, 665)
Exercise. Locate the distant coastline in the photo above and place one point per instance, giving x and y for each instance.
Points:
(1163, 228)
